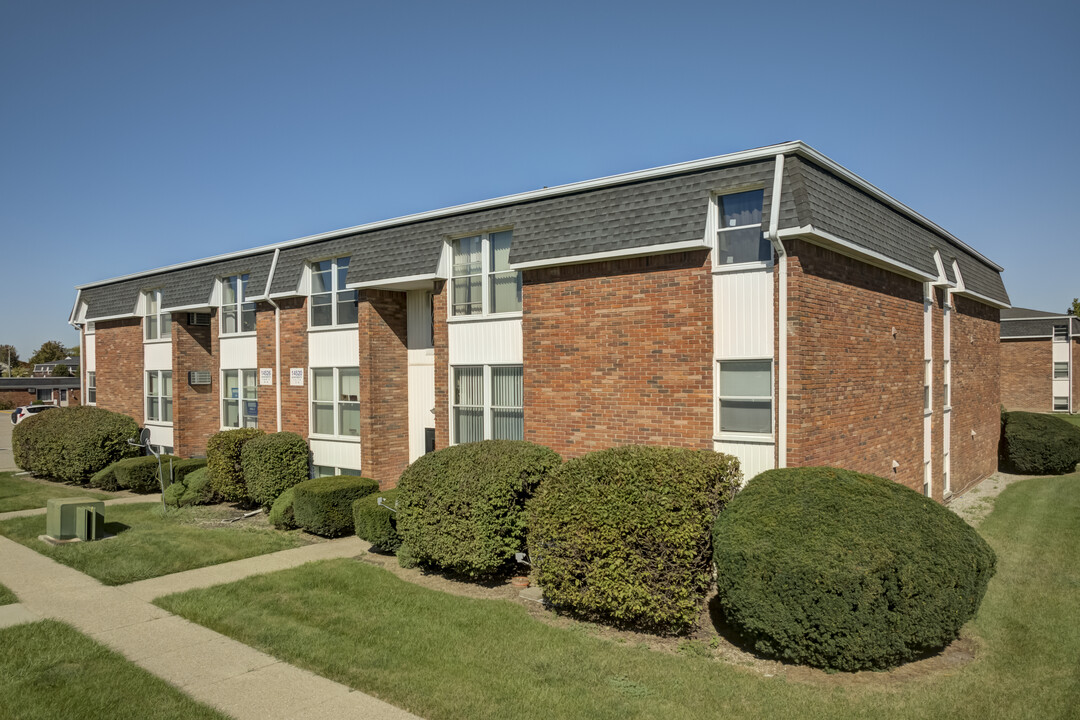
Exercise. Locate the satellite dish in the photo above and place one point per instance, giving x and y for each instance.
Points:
(144, 436)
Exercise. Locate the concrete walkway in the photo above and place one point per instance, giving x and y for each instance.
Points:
(212, 668)
(132, 500)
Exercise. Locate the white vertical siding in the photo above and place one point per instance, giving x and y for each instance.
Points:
(90, 353)
(335, 454)
(239, 353)
(160, 434)
(333, 348)
(157, 356)
(421, 371)
(754, 458)
(485, 342)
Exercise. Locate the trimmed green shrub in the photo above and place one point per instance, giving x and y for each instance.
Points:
(140, 474)
(624, 535)
(173, 494)
(73, 443)
(193, 489)
(272, 464)
(1034, 444)
(845, 571)
(462, 508)
(281, 513)
(376, 523)
(106, 479)
(223, 462)
(323, 506)
(181, 469)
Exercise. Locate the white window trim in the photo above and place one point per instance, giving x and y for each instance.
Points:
(160, 311)
(485, 279)
(486, 386)
(91, 386)
(337, 470)
(337, 402)
(240, 380)
(147, 396)
(751, 437)
(715, 229)
(1055, 370)
(334, 324)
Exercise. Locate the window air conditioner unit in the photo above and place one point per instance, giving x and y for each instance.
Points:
(198, 319)
(198, 377)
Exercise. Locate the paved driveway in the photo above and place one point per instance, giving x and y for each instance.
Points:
(7, 462)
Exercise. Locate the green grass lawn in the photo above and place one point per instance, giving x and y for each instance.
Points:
(49, 670)
(19, 494)
(7, 597)
(1074, 419)
(148, 544)
(445, 657)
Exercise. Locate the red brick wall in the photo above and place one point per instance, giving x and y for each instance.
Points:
(18, 398)
(615, 353)
(855, 389)
(1027, 369)
(196, 408)
(265, 333)
(442, 368)
(294, 354)
(119, 362)
(976, 377)
(1076, 375)
(384, 385)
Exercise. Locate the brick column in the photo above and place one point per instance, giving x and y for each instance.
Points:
(196, 408)
(294, 354)
(119, 352)
(265, 337)
(384, 385)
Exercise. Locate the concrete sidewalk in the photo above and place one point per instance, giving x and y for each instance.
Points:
(210, 667)
(132, 500)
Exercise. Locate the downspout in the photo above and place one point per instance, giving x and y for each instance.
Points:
(277, 337)
(781, 323)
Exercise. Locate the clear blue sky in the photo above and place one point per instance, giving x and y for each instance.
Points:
(139, 134)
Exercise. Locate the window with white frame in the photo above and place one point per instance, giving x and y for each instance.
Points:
(319, 471)
(237, 314)
(1061, 403)
(240, 399)
(157, 324)
(488, 403)
(1061, 333)
(159, 396)
(91, 388)
(335, 401)
(1061, 371)
(482, 281)
(746, 396)
(331, 302)
(739, 238)
(44, 395)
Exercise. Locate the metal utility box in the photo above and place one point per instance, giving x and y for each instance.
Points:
(70, 518)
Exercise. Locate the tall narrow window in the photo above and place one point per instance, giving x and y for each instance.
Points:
(91, 388)
(331, 302)
(488, 403)
(159, 396)
(483, 282)
(237, 314)
(507, 403)
(739, 236)
(335, 401)
(240, 399)
(468, 404)
(746, 396)
(157, 324)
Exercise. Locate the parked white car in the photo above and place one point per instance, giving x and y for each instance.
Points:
(21, 413)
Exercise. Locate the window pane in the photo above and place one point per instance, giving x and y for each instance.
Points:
(91, 379)
(229, 291)
(322, 383)
(1061, 403)
(321, 310)
(467, 295)
(232, 384)
(741, 208)
(349, 419)
(350, 384)
(500, 250)
(151, 303)
(742, 246)
(151, 327)
(342, 271)
(469, 386)
(507, 424)
(165, 326)
(91, 395)
(1061, 370)
(322, 471)
(232, 414)
(247, 317)
(322, 277)
(349, 471)
(152, 408)
(251, 392)
(166, 410)
(346, 307)
(229, 320)
(467, 256)
(746, 378)
(507, 387)
(506, 292)
(322, 418)
(468, 425)
(166, 383)
(753, 416)
(153, 385)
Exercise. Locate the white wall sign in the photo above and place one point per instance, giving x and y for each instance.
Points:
(296, 376)
(266, 376)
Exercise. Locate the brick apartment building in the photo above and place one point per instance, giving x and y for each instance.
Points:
(769, 304)
(1040, 361)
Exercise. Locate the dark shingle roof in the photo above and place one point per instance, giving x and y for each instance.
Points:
(1026, 323)
(1027, 313)
(38, 382)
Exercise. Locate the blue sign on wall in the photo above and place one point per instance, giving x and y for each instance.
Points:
(251, 408)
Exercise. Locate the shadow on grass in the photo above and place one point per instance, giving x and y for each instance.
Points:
(729, 631)
(115, 528)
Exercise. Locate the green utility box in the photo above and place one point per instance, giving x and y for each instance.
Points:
(70, 518)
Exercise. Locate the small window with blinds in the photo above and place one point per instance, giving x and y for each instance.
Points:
(488, 403)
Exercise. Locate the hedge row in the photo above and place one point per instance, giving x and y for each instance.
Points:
(73, 443)
(248, 465)
(1036, 444)
(223, 463)
(323, 506)
(377, 523)
(193, 489)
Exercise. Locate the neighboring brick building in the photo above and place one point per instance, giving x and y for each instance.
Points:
(769, 304)
(1039, 355)
(62, 391)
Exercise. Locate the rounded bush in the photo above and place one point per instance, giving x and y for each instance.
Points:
(223, 462)
(844, 571)
(281, 513)
(105, 479)
(173, 494)
(375, 523)
(140, 474)
(193, 489)
(462, 508)
(624, 535)
(272, 464)
(323, 506)
(1035, 444)
(73, 443)
(182, 468)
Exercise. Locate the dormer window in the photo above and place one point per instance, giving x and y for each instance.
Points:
(157, 325)
(483, 282)
(331, 302)
(739, 237)
(237, 315)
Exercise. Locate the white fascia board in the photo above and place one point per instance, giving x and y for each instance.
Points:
(622, 253)
(75, 307)
(388, 282)
(846, 247)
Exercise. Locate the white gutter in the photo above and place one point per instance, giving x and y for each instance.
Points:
(277, 337)
(782, 320)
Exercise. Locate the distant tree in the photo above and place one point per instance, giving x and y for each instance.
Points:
(9, 355)
(74, 351)
(1074, 309)
(50, 351)
(61, 371)
(20, 371)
